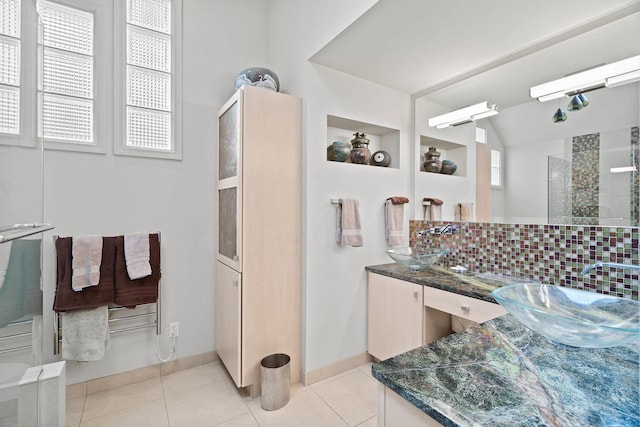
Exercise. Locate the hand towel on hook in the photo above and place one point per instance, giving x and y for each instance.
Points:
(136, 252)
(348, 230)
(86, 259)
(394, 220)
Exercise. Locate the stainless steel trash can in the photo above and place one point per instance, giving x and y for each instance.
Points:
(274, 381)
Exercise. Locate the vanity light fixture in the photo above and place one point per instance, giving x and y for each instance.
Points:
(464, 115)
(623, 169)
(609, 75)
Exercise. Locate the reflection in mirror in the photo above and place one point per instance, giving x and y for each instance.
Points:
(560, 172)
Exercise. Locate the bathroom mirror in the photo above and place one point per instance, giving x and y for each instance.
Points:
(455, 55)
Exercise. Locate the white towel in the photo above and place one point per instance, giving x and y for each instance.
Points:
(348, 230)
(5, 254)
(394, 220)
(86, 253)
(85, 334)
(464, 211)
(136, 254)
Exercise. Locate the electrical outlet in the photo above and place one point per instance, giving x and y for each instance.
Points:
(174, 329)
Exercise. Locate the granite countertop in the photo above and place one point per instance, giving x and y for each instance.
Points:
(474, 285)
(500, 373)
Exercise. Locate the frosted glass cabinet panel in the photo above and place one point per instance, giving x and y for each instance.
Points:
(228, 214)
(228, 136)
(230, 183)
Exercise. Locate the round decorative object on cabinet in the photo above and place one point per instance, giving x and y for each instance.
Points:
(259, 77)
(380, 158)
(338, 151)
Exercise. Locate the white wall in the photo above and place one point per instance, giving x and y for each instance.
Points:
(334, 306)
(110, 195)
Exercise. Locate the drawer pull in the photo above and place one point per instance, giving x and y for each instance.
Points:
(465, 308)
(235, 283)
(415, 294)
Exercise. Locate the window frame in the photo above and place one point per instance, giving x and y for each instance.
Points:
(500, 169)
(120, 89)
(102, 11)
(27, 136)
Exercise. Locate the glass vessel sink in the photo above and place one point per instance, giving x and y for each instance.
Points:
(571, 316)
(416, 259)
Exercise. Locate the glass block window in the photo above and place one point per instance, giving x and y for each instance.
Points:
(68, 73)
(496, 181)
(10, 66)
(149, 75)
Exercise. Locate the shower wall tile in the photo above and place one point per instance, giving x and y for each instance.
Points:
(585, 180)
(635, 177)
(554, 254)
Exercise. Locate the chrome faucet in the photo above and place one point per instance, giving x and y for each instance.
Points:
(609, 264)
(445, 229)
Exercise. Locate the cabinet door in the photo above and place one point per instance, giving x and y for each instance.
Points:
(230, 182)
(228, 322)
(395, 316)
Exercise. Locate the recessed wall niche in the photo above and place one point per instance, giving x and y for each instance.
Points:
(448, 151)
(381, 138)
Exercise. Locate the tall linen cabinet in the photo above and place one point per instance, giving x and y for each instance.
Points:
(258, 267)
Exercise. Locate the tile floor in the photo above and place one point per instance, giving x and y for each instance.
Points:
(206, 396)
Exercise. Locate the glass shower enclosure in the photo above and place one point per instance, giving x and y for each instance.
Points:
(26, 394)
(596, 181)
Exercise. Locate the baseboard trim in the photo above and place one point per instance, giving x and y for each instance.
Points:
(136, 375)
(334, 369)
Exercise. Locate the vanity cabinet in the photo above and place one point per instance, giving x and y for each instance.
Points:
(404, 315)
(258, 268)
(395, 315)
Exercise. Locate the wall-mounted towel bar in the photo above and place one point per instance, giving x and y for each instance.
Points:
(335, 201)
(121, 319)
(14, 336)
(129, 318)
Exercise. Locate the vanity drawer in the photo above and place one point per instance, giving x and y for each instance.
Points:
(459, 305)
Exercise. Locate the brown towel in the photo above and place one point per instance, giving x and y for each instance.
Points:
(398, 200)
(433, 201)
(129, 293)
(66, 298)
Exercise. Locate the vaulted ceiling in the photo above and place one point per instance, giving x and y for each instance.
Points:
(460, 52)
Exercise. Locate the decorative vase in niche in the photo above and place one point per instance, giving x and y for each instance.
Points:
(360, 153)
(449, 167)
(338, 151)
(432, 162)
(258, 77)
(380, 158)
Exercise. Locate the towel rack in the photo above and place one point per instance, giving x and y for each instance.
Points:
(15, 333)
(335, 201)
(116, 316)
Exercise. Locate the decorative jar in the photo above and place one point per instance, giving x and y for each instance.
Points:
(360, 153)
(338, 151)
(432, 162)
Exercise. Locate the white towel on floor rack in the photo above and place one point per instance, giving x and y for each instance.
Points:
(85, 334)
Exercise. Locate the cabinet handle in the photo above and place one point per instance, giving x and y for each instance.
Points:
(235, 258)
(415, 294)
(235, 283)
(465, 308)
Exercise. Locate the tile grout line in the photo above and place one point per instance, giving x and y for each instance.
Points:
(330, 407)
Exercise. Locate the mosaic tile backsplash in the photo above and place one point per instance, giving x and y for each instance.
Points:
(554, 254)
